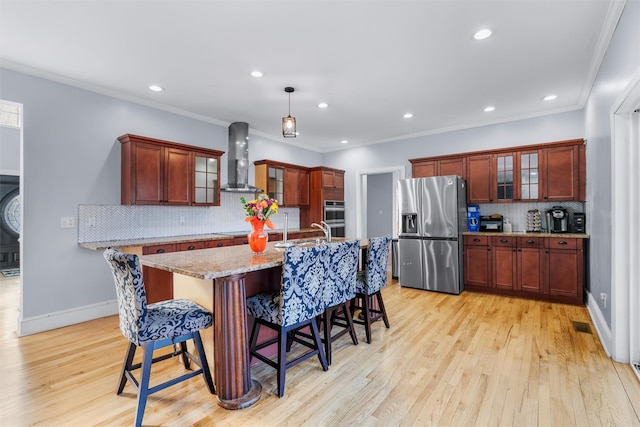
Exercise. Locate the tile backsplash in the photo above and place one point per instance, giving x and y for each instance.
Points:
(516, 213)
(97, 223)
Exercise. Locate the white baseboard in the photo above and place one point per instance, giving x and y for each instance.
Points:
(46, 322)
(603, 330)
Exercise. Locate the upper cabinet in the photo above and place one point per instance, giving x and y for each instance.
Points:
(479, 182)
(287, 183)
(157, 172)
(440, 166)
(553, 172)
(327, 183)
(206, 170)
(564, 171)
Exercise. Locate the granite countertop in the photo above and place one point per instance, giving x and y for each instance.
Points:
(218, 262)
(525, 234)
(102, 245)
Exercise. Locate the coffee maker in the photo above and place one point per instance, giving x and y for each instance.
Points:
(558, 220)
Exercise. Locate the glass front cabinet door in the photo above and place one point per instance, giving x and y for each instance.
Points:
(207, 180)
(504, 177)
(529, 175)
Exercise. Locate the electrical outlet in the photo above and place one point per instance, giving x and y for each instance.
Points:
(91, 222)
(603, 297)
(183, 221)
(67, 222)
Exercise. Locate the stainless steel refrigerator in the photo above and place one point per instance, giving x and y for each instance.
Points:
(432, 213)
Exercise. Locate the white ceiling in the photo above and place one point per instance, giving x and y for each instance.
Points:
(371, 61)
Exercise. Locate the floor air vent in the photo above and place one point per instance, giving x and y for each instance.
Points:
(581, 327)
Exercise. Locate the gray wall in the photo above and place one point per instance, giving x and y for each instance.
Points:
(621, 61)
(379, 208)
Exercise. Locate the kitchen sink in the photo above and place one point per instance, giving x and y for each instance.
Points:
(306, 242)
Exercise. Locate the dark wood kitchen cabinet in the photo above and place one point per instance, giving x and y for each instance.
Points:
(477, 262)
(563, 174)
(565, 258)
(324, 184)
(287, 183)
(157, 172)
(158, 284)
(439, 166)
(479, 182)
(530, 265)
(548, 268)
(551, 172)
(504, 262)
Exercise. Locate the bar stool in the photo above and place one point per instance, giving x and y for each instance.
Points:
(343, 269)
(370, 282)
(295, 306)
(155, 326)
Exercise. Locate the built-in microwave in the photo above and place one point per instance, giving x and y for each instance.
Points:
(334, 211)
(333, 215)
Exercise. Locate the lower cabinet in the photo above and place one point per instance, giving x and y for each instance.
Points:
(477, 262)
(549, 268)
(158, 284)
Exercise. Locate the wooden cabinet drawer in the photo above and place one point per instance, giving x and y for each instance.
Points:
(504, 241)
(190, 246)
(476, 240)
(530, 242)
(218, 243)
(275, 237)
(562, 243)
(158, 249)
(240, 240)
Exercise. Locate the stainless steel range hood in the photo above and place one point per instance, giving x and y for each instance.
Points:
(238, 160)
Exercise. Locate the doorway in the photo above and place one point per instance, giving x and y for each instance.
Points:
(385, 198)
(625, 191)
(11, 206)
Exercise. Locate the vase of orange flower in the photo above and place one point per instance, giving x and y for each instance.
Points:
(258, 212)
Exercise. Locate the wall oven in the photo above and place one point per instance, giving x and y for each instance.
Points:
(333, 213)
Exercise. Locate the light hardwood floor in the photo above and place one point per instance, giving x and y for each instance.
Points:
(464, 360)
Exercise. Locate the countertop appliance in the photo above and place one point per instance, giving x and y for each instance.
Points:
(558, 220)
(579, 222)
(433, 216)
(491, 223)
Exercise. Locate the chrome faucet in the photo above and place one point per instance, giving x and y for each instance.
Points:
(325, 229)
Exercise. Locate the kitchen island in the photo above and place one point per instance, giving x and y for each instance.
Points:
(220, 279)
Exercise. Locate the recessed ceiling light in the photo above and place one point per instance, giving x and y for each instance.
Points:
(489, 109)
(549, 97)
(344, 141)
(156, 88)
(257, 74)
(323, 105)
(485, 33)
(407, 115)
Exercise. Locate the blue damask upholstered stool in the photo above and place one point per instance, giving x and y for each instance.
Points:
(155, 326)
(296, 305)
(341, 288)
(370, 282)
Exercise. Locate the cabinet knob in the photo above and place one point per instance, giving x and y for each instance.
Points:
(562, 242)
(503, 240)
(476, 240)
(530, 242)
(191, 247)
(159, 251)
(220, 244)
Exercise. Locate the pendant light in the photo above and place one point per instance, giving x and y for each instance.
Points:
(289, 123)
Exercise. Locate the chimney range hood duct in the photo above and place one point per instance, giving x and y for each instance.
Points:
(238, 160)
